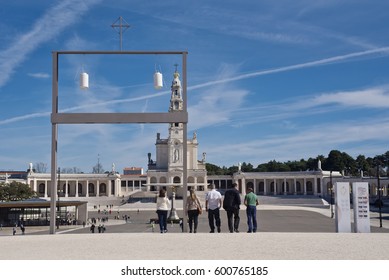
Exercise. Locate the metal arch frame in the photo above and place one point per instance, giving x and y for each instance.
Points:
(89, 118)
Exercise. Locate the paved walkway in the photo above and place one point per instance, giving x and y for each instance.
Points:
(286, 232)
(175, 246)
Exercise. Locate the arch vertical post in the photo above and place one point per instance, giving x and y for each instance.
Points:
(185, 148)
(54, 136)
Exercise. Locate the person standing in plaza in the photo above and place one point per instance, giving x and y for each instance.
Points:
(251, 202)
(213, 202)
(163, 206)
(193, 207)
(231, 203)
(92, 228)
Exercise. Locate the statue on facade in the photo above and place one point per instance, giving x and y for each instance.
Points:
(176, 155)
(30, 166)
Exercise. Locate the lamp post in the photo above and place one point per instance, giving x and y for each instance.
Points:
(379, 194)
(173, 213)
(332, 195)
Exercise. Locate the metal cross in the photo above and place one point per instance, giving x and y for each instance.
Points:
(122, 24)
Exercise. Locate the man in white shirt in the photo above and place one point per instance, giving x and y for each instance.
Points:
(213, 202)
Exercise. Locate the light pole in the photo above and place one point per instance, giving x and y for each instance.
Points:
(379, 194)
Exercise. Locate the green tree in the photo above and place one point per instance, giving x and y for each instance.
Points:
(312, 164)
(247, 167)
(334, 161)
(362, 164)
(350, 165)
(211, 168)
(300, 165)
(231, 170)
(275, 166)
(15, 191)
(261, 168)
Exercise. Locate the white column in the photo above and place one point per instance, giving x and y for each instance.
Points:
(264, 187)
(147, 186)
(87, 188)
(305, 186)
(66, 188)
(35, 187)
(97, 188)
(76, 188)
(285, 191)
(275, 186)
(295, 186)
(109, 190)
(315, 186)
(243, 186)
(255, 186)
(118, 187)
(46, 188)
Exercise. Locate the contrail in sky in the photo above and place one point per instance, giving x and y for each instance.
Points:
(44, 29)
(295, 67)
(334, 59)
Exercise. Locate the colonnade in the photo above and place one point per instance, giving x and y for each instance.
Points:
(73, 186)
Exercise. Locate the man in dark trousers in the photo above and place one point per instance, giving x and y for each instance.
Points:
(231, 204)
(213, 202)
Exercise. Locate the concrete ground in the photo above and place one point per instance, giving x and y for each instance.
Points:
(285, 232)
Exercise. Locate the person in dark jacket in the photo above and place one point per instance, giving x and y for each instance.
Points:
(231, 204)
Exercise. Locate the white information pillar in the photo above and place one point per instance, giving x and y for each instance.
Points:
(361, 207)
(342, 203)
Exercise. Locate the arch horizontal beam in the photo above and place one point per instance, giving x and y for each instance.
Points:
(123, 52)
(83, 118)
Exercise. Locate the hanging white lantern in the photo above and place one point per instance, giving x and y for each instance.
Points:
(158, 84)
(84, 80)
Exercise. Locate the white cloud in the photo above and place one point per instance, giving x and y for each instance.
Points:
(305, 143)
(39, 75)
(375, 97)
(45, 28)
(369, 98)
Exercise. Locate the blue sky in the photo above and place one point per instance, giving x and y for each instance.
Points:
(267, 80)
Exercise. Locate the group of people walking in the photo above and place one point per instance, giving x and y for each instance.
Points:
(213, 203)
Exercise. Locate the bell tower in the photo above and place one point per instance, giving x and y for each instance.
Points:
(175, 141)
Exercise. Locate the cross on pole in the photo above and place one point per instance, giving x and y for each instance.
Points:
(122, 25)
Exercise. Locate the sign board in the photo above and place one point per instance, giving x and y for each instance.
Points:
(361, 207)
(342, 203)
